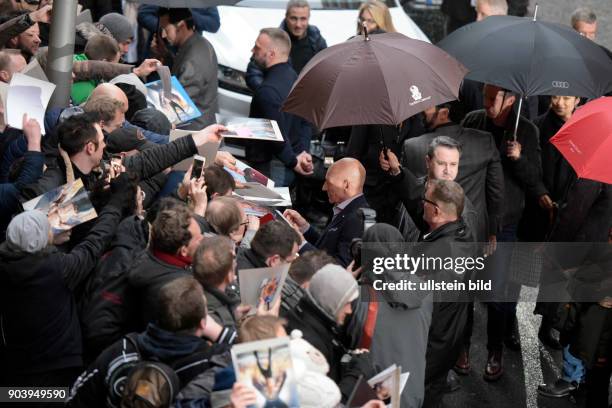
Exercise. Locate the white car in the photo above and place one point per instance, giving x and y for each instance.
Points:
(240, 25)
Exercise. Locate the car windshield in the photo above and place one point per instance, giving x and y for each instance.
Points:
(314, 4)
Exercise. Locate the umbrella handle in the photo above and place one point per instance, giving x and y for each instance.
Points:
(518, 117)
(365, 32)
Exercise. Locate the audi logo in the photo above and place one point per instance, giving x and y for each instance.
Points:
(560, 84)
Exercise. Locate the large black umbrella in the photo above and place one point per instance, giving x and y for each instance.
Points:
(381, 79)
(188, 3)
(531, 57)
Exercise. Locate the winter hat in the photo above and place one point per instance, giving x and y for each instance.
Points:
(28, 232)
(302, 350)
(119, 26)
(332, 287)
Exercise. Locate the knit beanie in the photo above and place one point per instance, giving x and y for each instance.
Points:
(119, 26)
(332, 287)
(28, 232)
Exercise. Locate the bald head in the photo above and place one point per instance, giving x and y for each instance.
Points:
(344, 180)
(110, 91)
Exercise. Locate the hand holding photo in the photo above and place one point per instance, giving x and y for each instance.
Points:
(254, 129)
(261, 285)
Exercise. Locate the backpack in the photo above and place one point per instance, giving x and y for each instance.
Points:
(137, 380)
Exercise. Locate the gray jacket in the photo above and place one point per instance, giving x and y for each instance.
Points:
(480, 171)
(195, 66)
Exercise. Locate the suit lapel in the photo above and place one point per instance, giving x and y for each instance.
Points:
(338, 219)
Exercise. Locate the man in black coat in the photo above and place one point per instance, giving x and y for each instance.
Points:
(306, 41)
(278, 160)
(522, 168)
(448, 236)
(179, 338)
(40, 326)
(480, 171)
(344, 186)
(175, 236)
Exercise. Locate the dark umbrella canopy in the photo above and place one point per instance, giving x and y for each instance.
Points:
(383, 80)
(188, 3)
(531, 57)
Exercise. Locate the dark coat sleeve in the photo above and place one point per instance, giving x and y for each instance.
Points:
(149, 162)
(494, 190)
(269, 103)
(528, 168)
(30, 172)
(206, 19)
(78, 263)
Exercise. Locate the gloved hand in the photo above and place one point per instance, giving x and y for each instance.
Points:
(123, 193)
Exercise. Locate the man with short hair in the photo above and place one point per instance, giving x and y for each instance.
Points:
(27, 41)
(306, 41)
(584, 21)
(179, 335)
(274, 243)
(195, 63)
(175, 236)
(214, 267)
(344, 186)
(521, 163)
(11, 61)
(480, 172)
(111, 112)
(486, 8)
(218, 182)
(279, 161)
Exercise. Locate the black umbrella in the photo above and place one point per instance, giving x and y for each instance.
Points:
(531, 57)
(188, 3)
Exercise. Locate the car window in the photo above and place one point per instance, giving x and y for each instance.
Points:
(314, 4)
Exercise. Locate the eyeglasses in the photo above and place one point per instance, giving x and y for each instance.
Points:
(425, 200)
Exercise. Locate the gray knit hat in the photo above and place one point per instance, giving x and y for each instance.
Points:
(119, 26)
(28, 232)
(332, 287)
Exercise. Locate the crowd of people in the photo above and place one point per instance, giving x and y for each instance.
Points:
(153, 278)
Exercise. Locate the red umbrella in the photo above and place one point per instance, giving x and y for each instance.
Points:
(379, 80)
(586, 140)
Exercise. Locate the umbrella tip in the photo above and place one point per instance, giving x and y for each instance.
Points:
(365, 32)
(535, 12)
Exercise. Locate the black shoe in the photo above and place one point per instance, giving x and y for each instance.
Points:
(452, 382)
(558, 389)
(495, 366)
(546, 337)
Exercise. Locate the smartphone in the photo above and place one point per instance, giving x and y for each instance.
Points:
(198, 166)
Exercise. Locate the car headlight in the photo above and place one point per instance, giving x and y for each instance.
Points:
(233, 80)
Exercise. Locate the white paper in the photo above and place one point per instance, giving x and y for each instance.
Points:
(46, 88)
(24, 100)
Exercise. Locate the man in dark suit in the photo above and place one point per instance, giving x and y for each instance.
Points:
(480, 171)
(344, 186)
(279, 161)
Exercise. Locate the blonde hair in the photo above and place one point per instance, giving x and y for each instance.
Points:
(380, 13)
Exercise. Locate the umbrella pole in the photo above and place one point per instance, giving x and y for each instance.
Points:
(535, 12)
(518, 117)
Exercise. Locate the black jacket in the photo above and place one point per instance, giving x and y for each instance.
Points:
(146, 278)
(266, 104)
(221, 306)
(254, 73)
(249, 259)
(40, 326)
(449, 317)
(521, 177)
(337, 236)
(91, 388)
(145, 164)
(480, 171)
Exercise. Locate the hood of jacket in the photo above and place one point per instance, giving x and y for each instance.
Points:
(18, 266)
(384, 240)
(166, 345)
